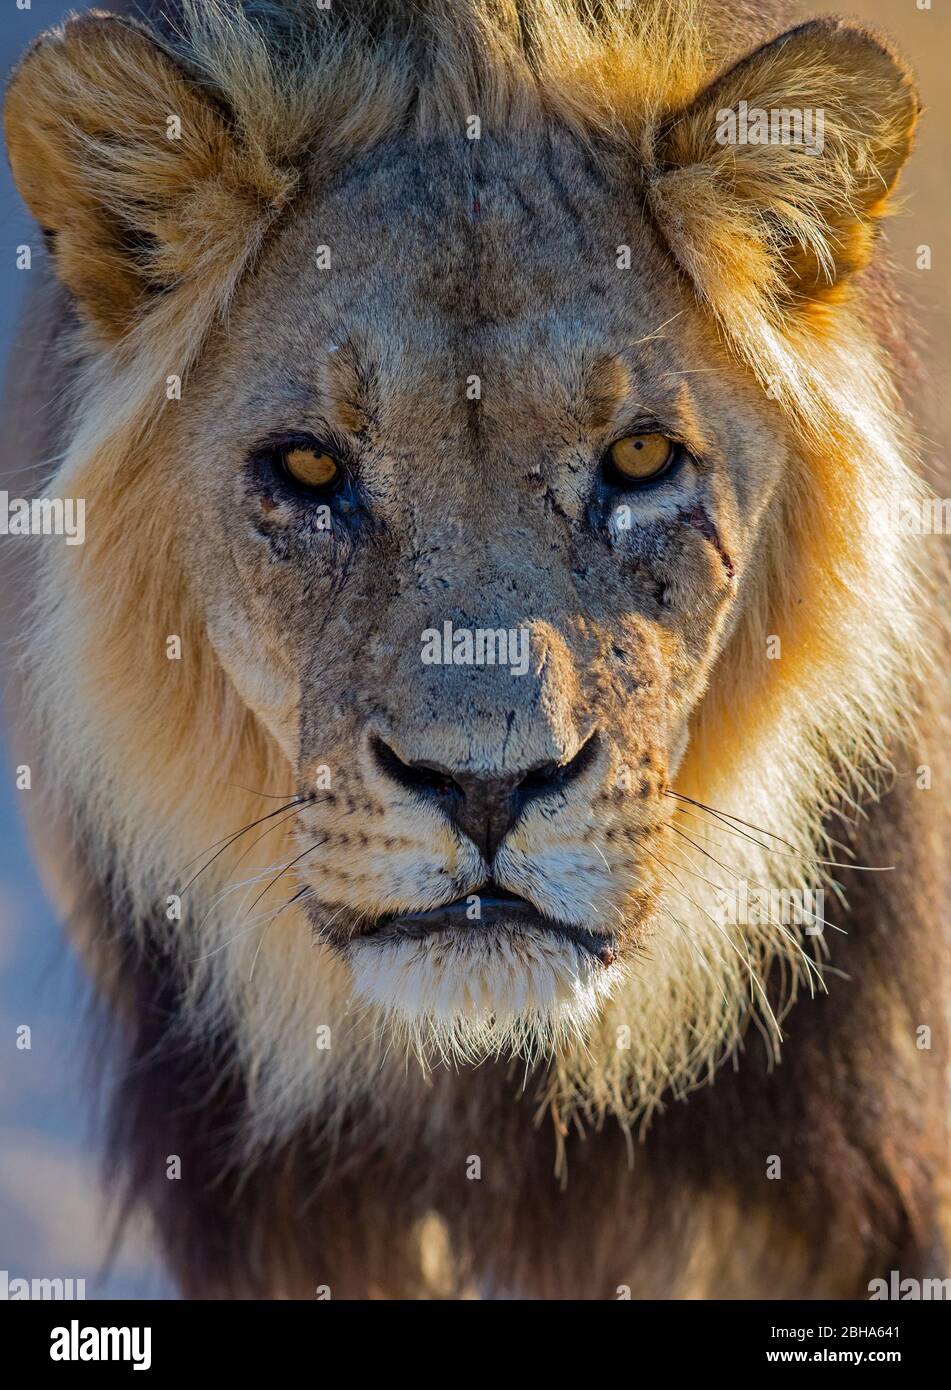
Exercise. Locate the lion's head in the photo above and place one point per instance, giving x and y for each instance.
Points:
(476, 456)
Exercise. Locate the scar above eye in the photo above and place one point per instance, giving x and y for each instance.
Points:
(697, 518)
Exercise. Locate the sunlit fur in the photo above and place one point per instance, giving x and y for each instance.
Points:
(159, 752)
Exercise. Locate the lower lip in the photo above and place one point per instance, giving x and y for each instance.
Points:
(494, 910)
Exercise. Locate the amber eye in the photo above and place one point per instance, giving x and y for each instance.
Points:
(639, 457)
(311, 468)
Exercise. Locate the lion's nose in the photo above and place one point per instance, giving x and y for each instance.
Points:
(483, 807)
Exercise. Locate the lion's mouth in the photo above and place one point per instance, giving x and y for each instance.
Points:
(492, 909)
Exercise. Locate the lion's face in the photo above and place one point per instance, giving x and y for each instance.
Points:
(480, 643)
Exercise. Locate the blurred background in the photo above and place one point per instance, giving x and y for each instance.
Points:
(52, 1211)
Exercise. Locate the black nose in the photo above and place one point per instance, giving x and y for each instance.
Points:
(484, 808)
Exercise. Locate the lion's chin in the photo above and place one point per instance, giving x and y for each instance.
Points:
(487, 991)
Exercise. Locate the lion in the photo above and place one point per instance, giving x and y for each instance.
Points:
(487, 748)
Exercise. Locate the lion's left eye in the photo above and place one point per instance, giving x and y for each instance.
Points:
(638, 458)
(311, 468)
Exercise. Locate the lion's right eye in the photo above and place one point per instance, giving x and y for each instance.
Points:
(639, 458)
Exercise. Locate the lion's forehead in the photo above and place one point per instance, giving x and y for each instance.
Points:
(439, 254)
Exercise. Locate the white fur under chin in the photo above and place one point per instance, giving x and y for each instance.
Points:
(468, 995)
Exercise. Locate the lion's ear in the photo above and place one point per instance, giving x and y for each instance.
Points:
(135, 173)
(769, 184)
